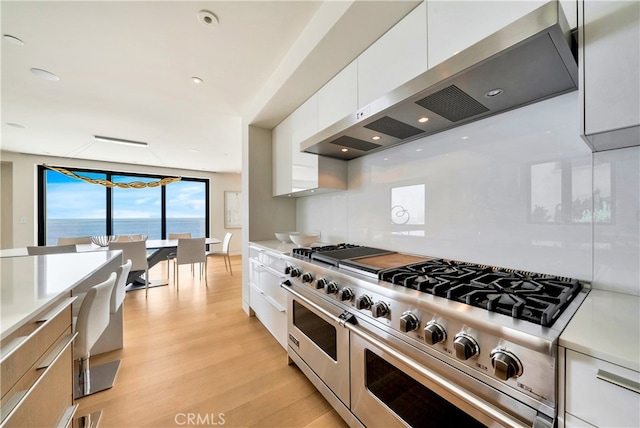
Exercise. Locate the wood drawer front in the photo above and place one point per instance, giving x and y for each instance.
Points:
(47, 392)
(44, 335)
(600, 402)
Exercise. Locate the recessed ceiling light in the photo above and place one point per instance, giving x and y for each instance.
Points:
(13, 40)
(423, 119)
(16, 125)
(493, 93)
(44, 74)
(119, 141)
(196, 80)
(344, 150)
(375, 137)
(208, 18)
(465, 138)
(194, 150)
(418, 150)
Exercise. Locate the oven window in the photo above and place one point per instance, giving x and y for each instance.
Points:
(315, 328)
(416, 404)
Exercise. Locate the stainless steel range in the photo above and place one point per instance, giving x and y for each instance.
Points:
(393, 339)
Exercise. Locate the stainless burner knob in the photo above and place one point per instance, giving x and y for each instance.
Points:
(409, 322)
(379, 309)
(345, 294)
(331, 288)
(364, 302)
(294, 272)
(307, 277)
(321, 283)
(505, 364)
(465, 346)
(434, 333)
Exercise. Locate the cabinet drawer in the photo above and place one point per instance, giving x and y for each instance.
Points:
(271, 316)
(594, 393)
(46, 392)
(22, 349)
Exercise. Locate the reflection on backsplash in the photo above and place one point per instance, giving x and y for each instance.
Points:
(407, 210)
(518, 190)
(561, 192)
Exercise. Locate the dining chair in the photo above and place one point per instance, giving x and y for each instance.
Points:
(75, 240)
(224, 253)
(130, 238)
(91, 322)
(53, 249)
(190, 251)
(135, 251)
(172, 255)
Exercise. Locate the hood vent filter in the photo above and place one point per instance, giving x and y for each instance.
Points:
(452, 103)
(355, 143)
(393, 127)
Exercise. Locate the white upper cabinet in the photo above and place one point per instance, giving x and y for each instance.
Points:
(395, 58)
(294, 170)
(281, 138)
(304, 166)
(339, 97)
(611, 66)
(456, 25)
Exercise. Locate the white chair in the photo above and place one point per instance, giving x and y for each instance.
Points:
(190, 251)
(224, 253)
(135, 251)
(172, 256)
(117, 295)
(54, 249)
(92, 320)
(130, 238)
(76, 240)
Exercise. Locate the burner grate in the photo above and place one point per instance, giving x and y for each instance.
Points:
(529, 296)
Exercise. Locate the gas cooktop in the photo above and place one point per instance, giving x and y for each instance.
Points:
(529, 296)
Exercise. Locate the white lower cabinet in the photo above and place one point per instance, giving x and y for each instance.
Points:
(267, 299)
(600, 393)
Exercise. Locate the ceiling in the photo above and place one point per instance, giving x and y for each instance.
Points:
(125, 71)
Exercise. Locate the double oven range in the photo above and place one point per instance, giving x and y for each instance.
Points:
(392, 339)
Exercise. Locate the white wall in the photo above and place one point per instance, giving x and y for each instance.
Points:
(477, 195)
(24, 201)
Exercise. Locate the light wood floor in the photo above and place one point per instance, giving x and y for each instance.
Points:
(197, 354)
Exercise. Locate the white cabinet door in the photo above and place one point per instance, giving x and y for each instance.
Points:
(611, 65)
(395, 58)
(281, 137)
(456, 25)
(339, 97)
(304, 166)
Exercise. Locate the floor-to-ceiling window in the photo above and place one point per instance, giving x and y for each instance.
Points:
(73, 207)
(70, 207)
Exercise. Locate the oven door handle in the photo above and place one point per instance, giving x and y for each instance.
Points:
(348, 322)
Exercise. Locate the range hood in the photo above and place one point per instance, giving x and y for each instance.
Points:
(528, 60)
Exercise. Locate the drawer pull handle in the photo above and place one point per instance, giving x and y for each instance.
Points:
(67, 417)
(619, 381)
(15, 344)
(16, 401)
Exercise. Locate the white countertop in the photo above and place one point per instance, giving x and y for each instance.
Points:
(607, 327)
(282, 247)
(29, 284)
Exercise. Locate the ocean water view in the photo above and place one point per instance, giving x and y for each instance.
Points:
(151, 227)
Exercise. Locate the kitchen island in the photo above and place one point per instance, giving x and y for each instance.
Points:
(36, 334)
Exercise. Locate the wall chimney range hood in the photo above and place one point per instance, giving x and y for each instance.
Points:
(527, 61)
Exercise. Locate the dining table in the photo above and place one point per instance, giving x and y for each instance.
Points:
(157, 251)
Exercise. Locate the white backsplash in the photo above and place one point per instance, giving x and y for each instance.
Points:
(492, 192)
